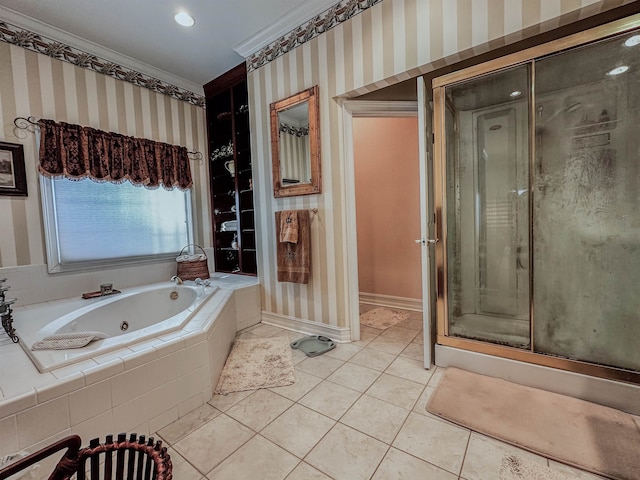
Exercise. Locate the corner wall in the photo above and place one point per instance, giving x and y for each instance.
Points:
(385, 44)
(37, 85)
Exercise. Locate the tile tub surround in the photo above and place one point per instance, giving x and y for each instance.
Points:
(34, 284)
(140, 388)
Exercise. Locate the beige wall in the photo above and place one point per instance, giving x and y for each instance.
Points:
(35, 84)
(387, 173)
(385, 44)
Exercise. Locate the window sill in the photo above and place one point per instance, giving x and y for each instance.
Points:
(72, 267)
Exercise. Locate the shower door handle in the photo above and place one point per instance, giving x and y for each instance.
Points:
(427, 241)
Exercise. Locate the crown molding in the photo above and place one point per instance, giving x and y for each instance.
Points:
(297, 16)
(54, 33)
(317, 25)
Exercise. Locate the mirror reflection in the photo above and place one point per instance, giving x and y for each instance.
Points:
(293, 132)
(295, 144)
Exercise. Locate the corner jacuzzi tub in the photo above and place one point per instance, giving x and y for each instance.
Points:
(118, 320)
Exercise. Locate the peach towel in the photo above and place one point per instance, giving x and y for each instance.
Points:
(289, 226)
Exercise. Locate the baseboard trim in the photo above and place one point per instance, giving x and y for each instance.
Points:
(338, 334)
(414, 304)
(618, 395)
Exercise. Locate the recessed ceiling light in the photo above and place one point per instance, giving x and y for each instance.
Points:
(618, 70)
(515, 93)
(632, 41)
(184, 19)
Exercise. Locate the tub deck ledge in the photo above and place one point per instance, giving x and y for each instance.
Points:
(142, 386)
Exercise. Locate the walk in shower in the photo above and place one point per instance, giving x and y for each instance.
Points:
(537, 188)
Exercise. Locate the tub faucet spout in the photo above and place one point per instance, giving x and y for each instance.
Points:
(176, 279)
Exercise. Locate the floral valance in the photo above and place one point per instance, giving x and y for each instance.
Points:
(77, 152)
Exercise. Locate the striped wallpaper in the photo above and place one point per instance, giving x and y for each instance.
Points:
(389, 42)
(35, 84)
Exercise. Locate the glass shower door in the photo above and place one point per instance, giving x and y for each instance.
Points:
(586, 227)
(538, 167)
(487, 177)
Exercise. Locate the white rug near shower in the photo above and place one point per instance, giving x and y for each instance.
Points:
(257, 363)
(517, 468)
(383, 317)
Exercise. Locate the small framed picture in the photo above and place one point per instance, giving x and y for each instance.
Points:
(13, 178)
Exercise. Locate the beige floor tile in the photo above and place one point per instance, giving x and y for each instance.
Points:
(400, 333)
(304, 471)
(396, 390)
(398, 465)
(246, 335)
(259, 409)
(330, 399)
(293, 336)
(263, 330)
(418, 339)
(389, 345)
(435, 378)
(346, 454)
(298, 429)
(188, 423)
(321, 366)
(365, 307)
(410, 369)
(364, 329)
(354, 376)
(297, 356)
(421, 405)
(182, 469)
(210, 444)
(225, 402)
(414, 322)
(372, 358)
(415, 351)
(344, 351)
(257, 459)
(484, 457)
(303, 384)
(374, 417)
(365, 339)
(433, 441)
(572, 472)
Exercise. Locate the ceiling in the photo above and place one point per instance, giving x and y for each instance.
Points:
(145, 31)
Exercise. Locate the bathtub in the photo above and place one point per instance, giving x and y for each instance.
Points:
(123, 319)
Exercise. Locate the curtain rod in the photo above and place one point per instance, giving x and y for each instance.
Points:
(24, 123)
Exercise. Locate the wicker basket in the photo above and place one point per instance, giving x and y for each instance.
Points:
(192, 269)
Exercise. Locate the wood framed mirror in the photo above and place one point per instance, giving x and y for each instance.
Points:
(295, 144)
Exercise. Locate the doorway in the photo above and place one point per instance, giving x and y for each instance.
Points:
(364, 233)
(388, 211)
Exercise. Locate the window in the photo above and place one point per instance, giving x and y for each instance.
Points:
(89, 224)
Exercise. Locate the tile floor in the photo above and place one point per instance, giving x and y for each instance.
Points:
(356, 412)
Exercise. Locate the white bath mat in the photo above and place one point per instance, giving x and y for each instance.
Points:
(383, 317)
(63, 341)
(516, 468)
(257, 363)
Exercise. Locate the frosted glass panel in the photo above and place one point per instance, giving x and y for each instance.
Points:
(586, 228)
(487, 148)
(98, 221)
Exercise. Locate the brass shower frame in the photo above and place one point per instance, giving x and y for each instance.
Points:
(439, 150)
